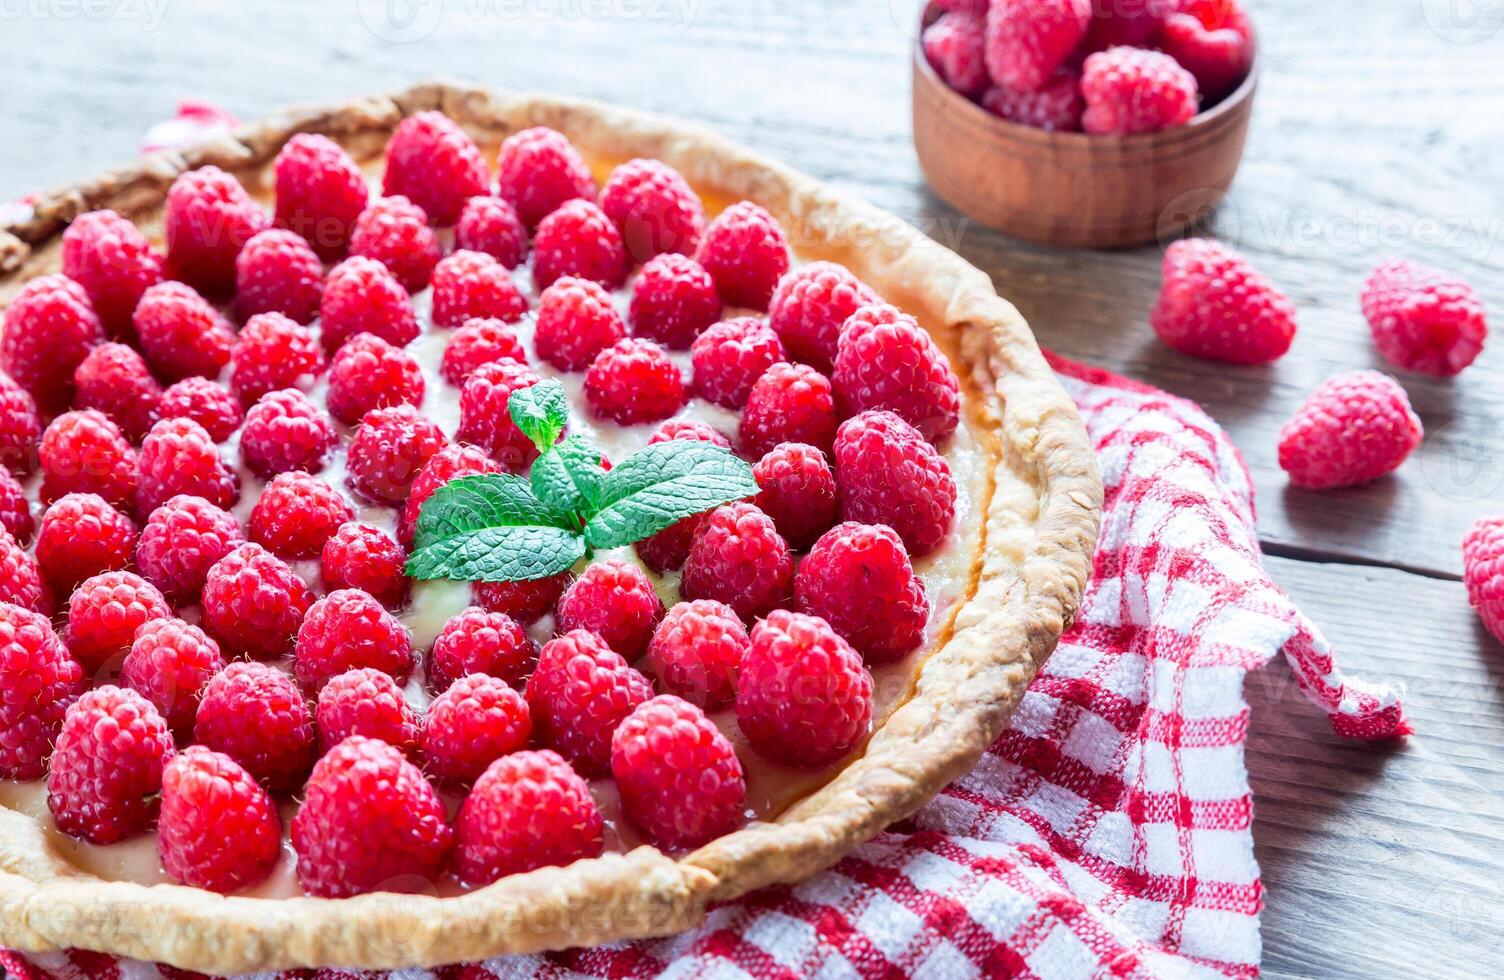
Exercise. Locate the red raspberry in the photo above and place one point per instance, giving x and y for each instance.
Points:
(810, 306)
(673, 301)
(389, 450)
(634, 381)
(484, 419)
(278, 272)
(1423, 319)
(182, 540)
(739, 558)
(364, 701)
(179, 457)
(1212, 40)
(859, 580)
(296, 514)
(369, 822)
(697, 650)
(20, 427)
(38, 680)
(1132, 22)
(667, 549)
(1130, 90)
(181, 335)
(107, 766)
(953, 44)
(349, 629)
(679, 777)
(253, 603)
(491, 225)
(209, 218)
(104, 614)
(115, 380)
(476, 721)
(746, 253)
(394, 231)
(480, 341)
(49, 328)
(537, 170)
(579, 693)
(1056, 106)
(692, 430)
(526, 602)
(888, 361)
(803, 696)
(528, 810)
(361, 296)
(1215, 304)
(789, 403)
(218, 829)
(449, 463)
(85, 452)
(254, 714)
(432, 161)
(1354, 428)
(614, 600)
(472, 284)
(368, 373)
(320, 192)
(728, 359)
(360, 556)
(576, 321)
(286, 431)
(169, 663)
(81, 536)
(889, 474)
(15, 509)
(654, 208)
(203, 401)
(798, 492)
(114, 262)
(1482, 571)
(20, 577)
(481, 642)
(1026, 40)
(272, 353)
(578, 240)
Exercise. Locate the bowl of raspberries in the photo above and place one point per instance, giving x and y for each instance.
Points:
(1083, 123)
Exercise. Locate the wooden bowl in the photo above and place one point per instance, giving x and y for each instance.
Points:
(1075, 189)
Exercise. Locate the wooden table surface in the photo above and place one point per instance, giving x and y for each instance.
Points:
(1379, 130)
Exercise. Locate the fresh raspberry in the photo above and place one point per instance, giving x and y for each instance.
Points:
(434, 163)
(107, 766)
(208, 219)
(218, 828)
(667, 549)
(689, 430)
(253, 603)
(789, 403)
(1482, 572)
(528, 810)
(85, 452)
(1215, 304)
(953, 44)
(181, 335)
(798, 492)
(360, 556)
(1212, 40)
(81, 536)
(810, 306)
(361, 296)
(1056, 106)
(537, 170)
(369, 822)
(114, 262)
(484, 419)
(673, 301)
(15, 509)
(349, 629)
(654, 208)
(576, 321)
(478, 641)
(491, 225)
(449, 463)
(38, 680)
(803, 696)
(389, 450)
(21, 577)
(580, 692)
(49, 328)
(614, 600)
(182, 540)
(889, 474)
(526, 602)
(1423, 319)
(320, 192)
(104, 614)
(115, 380)
(728, 358)
(368, 373)
(296, 514)
(254, 714)
(679, 777)
(179, 457)
(634, 381)
(696, 652)
(480, 341)
(746, 253)
(278, 272)
(1132, 22)
(739, 558)
(578, 240)
(271, 353)
(206, 402)
(472, 284)
(20, 427)
(858, 579)
(394, 231)
(1130, 90)
(286, 431)
(169, 663)
(476, 721)
(1353, 428)
(1026, 40)
(364, 701)
(888, 361)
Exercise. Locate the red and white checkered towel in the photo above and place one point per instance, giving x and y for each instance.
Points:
(1108, 831)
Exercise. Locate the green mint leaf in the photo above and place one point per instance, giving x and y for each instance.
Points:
(568, 477)
(472, 503)
(541, 411)
(499, 554)
(664, 484)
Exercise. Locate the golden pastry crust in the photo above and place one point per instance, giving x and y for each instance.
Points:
(1039, 530)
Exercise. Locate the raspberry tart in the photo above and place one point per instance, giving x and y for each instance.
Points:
(465, 525)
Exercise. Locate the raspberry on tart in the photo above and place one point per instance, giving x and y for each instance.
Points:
(394, 231)
(208, 403)
(537, 170)
(526, 601)
(297, 514)
(349, 629)
(679, 777)
(253, 603)
(739, 558)
(578, 240)
(614, 600)
(730, 357)
(696, 651)
(38, 681)
(858, 579)
(477, 720)
(181, 333)
(633, 381)
(485, 420)
(450, 463)
(209, 217)
(273, 352)
(255, 714)
(359, 556)
(746, 253)
(362, 296)
(278, 272)
(81, 536)
(810, 306)
(654, 208)
(181, 540)
(479, 641)
(179, 457)
(368, 373)
(576, 321)
(885, 360)
(115, 380)
(114, 262)
(20, 427)
(106, 772)
(468, 285)
(15, 510)
(287, 431)
(320, 192)
(434, 163)
(21, 578)
(104, 613)
(85, 452)
(674, 300)
(218, 829)
(798, 491)
(527, 810)
(580, 691)
(789, 403)
(390, 449)
(491, 225)
(480, 341)
(169, 664)
(48, 329)
(366, 701)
